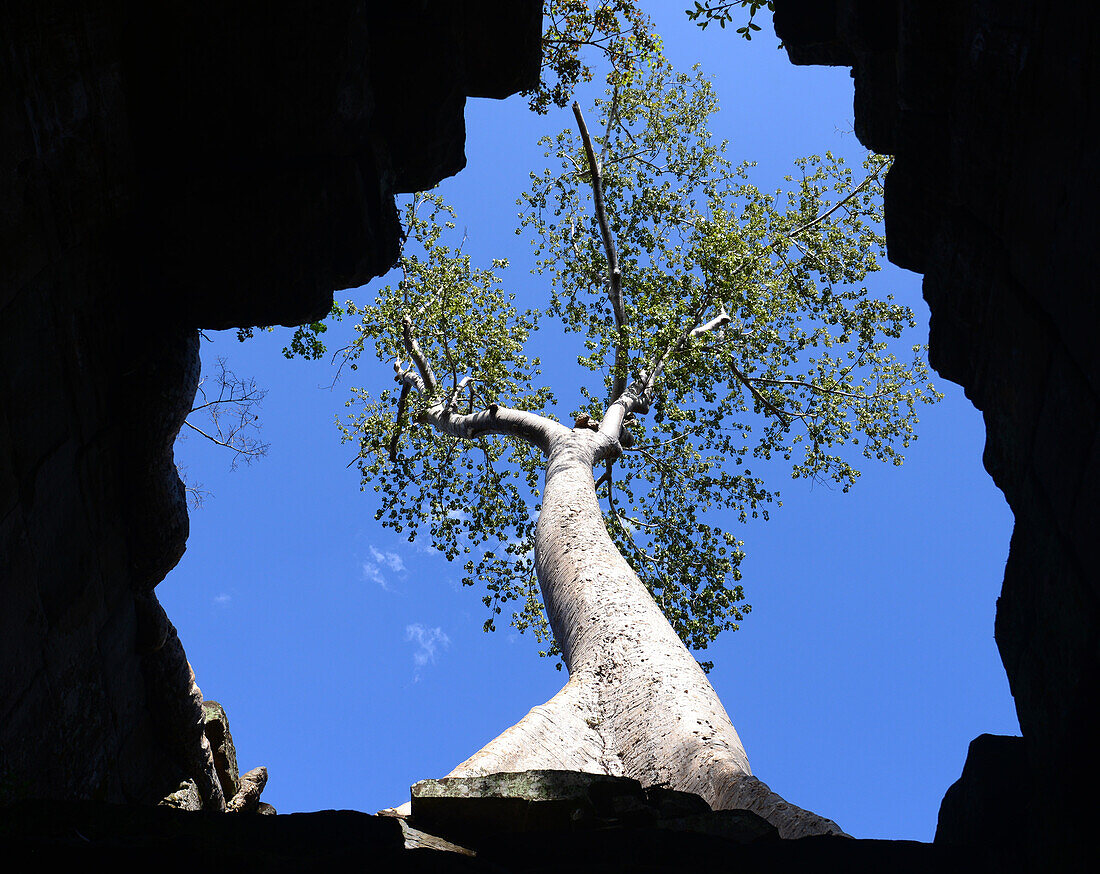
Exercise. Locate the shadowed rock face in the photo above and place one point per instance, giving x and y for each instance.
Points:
(987, 106)
(80, 833)
(169, 167)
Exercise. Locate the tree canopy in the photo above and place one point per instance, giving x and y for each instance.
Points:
(737, 317)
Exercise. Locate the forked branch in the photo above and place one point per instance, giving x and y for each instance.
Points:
(440, 412)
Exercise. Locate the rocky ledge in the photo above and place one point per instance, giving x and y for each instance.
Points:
(536, 821)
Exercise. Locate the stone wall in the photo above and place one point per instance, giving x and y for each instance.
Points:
(167, 167)
(987, 106)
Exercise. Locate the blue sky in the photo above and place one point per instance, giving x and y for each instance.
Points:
(352, 664)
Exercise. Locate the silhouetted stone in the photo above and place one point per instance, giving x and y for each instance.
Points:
(671, 803)
(739, 826)
(988, 109)
(169, 167)
(987, 807)
(78, 836)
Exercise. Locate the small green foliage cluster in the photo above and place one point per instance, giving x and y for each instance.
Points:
(704, 14)
(306, 340)
(617, 29)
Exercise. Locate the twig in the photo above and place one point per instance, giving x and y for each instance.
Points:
(258, 451)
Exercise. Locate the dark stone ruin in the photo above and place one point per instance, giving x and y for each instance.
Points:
(170, 167)
(985, 106)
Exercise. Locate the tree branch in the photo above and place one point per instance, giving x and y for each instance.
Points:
(240, 449)
(416, 353)
(527, 426)
(615, 279)
(638, 397)
(763, 401)
(818, 388)
(816, 221)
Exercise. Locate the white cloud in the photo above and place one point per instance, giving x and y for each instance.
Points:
(222, 598)
(380, 561)
(390, 559)
(373, 573)
(427, 640)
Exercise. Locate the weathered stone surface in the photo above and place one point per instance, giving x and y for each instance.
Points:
(477, 811)
(988, 109)
(247, 799)
(185, 798)
(166, 167)
(467, 809)
(216, 729)
(175, 705)
(418, 840)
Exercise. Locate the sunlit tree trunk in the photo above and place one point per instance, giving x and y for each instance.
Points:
(637, 704)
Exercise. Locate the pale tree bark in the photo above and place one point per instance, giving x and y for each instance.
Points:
(637, 704)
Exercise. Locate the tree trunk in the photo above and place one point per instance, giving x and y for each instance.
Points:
(637, 704)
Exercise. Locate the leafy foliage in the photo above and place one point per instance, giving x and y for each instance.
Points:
(466, 493)
(749, 303)
(704, 14)
(306, 340)
(803, 369)
(617, 29)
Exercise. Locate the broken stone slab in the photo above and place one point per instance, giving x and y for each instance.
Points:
(418, 840)
(471, 809)
(185, 798)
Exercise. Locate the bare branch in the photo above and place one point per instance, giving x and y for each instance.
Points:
(252, 396)
(527, 426)
(615, 279)
(717, 322)
(495, 419)
(820, 388)
(605, 477)
(816, 221)
(238, 448)
(232, 414)
(639, 395)
(763, 401)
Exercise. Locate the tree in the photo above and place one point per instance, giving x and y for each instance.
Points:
(229, 406)
(722, 326)
(619, 30)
